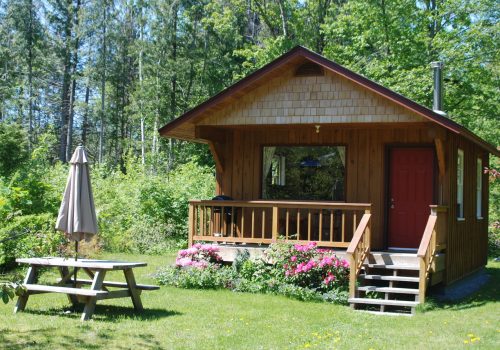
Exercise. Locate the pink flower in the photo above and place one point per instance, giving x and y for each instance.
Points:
(329, 279)
(182, 262)
(293, 258)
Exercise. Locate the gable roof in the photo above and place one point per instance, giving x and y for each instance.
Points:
(300, 54)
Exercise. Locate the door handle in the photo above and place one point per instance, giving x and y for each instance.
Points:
(392, 203)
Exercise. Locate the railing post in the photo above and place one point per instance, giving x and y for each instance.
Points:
(274, 228)
(191, 226)
(368, 233)
(422, 284)
(352, 275)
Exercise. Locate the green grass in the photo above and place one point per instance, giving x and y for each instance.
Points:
(196, 319)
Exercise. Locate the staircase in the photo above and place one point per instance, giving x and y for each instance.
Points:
(389, 284)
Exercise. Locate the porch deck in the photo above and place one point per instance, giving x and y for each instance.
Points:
(250, 225)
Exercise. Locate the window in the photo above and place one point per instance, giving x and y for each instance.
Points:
(460, 184)
(479, 189)
(303, 173)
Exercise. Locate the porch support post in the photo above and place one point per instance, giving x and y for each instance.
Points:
(191, 225)
(275, 224)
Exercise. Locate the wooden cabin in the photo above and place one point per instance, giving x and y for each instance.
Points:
(307, 150)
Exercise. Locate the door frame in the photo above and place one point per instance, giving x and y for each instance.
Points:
(387, 171)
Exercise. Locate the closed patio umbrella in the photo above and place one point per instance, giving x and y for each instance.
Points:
(77, 212)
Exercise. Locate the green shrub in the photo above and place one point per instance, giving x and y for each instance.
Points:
(13, 148)
(211, 277)
(147, 213)
(29, 236)
(494, 240)
(256, 276)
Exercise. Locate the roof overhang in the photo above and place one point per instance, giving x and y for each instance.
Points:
(184, 127)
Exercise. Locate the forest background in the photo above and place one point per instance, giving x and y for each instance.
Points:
(109, 73)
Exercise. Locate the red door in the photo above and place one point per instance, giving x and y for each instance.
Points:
(411, 184)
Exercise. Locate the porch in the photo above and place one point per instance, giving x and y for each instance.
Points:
(345, 226)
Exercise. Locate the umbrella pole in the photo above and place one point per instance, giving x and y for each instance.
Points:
(76, 258)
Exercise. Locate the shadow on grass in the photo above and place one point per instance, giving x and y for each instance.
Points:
(46, 338)
(42, 338)
(489, 293)
(108, 313)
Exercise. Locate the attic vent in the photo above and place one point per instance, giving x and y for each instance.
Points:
(309, 69)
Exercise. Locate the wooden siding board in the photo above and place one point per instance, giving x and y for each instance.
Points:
(467, 239)
(365, 174)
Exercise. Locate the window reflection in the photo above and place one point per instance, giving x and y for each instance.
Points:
(303, 173)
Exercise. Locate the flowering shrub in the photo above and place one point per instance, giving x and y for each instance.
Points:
(199, 256)
(303, 272)
(308, 266)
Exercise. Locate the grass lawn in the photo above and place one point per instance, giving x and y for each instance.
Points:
(192, 319)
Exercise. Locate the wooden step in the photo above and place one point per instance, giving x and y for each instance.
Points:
(373, 312)
(388, 290)
(393, 266)
(390, 278)
(387, 302)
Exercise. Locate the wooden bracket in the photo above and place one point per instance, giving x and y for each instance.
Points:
(440, 157)
(217, 150)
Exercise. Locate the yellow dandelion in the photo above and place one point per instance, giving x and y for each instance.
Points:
(470, 335)
(466, 342)
(307, 345)
(475, 339)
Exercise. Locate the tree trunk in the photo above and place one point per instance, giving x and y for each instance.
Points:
(66, 88)
(85, 118)
(284, 21)
(173, 93)
(30, 76)
(141, 91)
(103, 85)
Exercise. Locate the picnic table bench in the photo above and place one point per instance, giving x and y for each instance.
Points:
(99, 288)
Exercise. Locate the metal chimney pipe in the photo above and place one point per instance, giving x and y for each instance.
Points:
(437, 105)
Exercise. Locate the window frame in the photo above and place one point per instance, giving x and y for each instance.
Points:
(460, 184)
(479, 188)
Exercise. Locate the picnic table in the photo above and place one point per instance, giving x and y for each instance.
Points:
(99, 288)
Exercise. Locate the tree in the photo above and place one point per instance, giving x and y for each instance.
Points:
(13, 148)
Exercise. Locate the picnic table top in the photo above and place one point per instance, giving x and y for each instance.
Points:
(83, 263)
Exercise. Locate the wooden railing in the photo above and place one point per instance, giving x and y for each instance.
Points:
(358, 250)
(329, 224)
(433, 241)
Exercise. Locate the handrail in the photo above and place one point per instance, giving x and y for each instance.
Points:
(358, 250)
(430, 246)
(283, 204)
